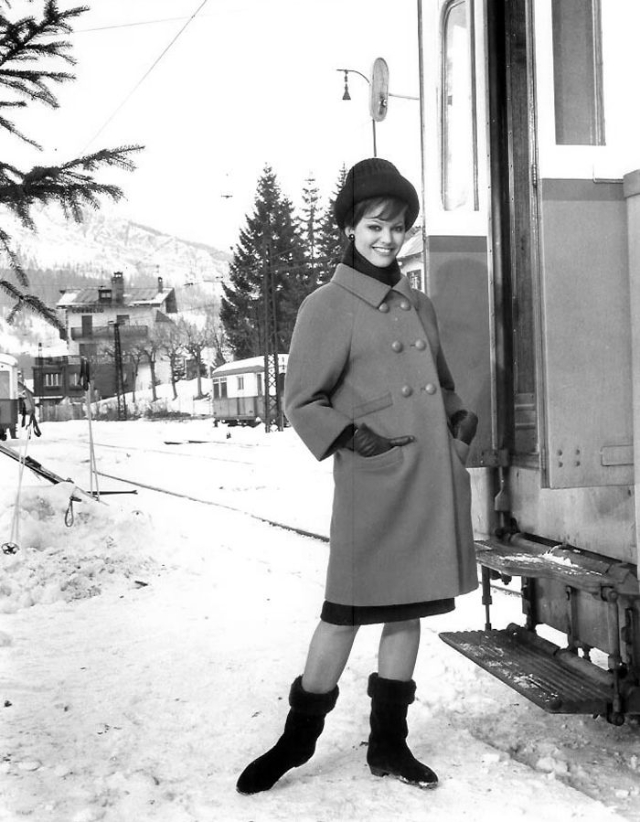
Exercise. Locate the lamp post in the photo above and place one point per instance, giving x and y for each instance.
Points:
(378, 93)
(347, 96)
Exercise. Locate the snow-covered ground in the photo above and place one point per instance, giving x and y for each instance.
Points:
(147, 647)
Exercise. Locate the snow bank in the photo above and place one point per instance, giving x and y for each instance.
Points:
(69, 550)
(130, 702)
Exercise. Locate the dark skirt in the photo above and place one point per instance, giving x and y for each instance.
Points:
(374, 614)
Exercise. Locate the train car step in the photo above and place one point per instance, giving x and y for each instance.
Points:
(554, 679)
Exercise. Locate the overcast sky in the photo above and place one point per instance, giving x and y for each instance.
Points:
(246, 83)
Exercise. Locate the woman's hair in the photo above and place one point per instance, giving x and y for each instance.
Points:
(385, 208)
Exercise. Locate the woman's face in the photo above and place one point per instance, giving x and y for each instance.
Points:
(379, 240)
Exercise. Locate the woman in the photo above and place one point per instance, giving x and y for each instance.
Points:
(367, 382)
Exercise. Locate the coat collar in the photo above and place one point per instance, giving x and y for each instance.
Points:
(370, 290)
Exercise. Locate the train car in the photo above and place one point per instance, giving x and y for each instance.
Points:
(9, 396)
(531, 204)
(239, 390)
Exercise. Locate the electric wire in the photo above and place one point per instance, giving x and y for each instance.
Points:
(144, 76)
(130, 25)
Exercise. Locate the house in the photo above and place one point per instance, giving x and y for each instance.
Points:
(411, 261)
(99, 318)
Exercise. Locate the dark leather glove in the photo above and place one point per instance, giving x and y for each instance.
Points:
(369, 444)
(464, 425)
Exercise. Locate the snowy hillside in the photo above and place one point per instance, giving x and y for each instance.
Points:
(147, 645)
(104, 243)
(95, 249)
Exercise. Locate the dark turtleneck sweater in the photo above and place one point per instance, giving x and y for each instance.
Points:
(354, 259)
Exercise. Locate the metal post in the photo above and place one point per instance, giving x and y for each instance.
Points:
(272, 394)
(266, 304)
(122, 403)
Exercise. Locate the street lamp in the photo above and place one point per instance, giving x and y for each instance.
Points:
(378, 92)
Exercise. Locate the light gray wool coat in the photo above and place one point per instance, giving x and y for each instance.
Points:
(363, 352)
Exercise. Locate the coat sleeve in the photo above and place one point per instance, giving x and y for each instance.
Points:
(318, 356)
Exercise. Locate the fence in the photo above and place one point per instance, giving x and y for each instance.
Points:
(108, 409)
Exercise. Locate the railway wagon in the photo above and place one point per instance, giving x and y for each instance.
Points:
(531, 204)
(9, 396)
(238, 390)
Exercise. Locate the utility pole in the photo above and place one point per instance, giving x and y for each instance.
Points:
(122, 403)
(272, 393)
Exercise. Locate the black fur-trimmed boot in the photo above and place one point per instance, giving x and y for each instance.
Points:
(388, 753)
(297, 744)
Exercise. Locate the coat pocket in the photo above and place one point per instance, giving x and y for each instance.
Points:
(380, 462)
(368, 407)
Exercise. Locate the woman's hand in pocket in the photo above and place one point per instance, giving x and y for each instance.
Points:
(369, 444)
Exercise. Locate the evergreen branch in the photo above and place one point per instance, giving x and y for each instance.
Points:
(71, 188)
(118, 157)
(10, 289)
(33, 303)
(16, 265)
(23, 35)
(21, 42)
(32, 85)
(9, 125)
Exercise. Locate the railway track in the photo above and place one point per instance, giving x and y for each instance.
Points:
(173, 453)
(275, 523)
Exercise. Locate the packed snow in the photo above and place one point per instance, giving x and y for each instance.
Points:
(148, 642)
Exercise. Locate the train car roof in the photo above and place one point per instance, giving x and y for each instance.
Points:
(250, 365)
(7, 359)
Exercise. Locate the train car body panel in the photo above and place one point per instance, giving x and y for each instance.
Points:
(587, 356)
(632, 195)
(9, 393)
(239, 390)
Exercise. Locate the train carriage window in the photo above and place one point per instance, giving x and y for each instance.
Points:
(219, 389)
(240, 383)
(577, 72)
(459, 145)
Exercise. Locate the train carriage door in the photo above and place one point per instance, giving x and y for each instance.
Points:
(588, 138)
(451, 37)
(514, 227)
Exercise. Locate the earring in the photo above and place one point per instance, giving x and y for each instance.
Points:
(352, 237)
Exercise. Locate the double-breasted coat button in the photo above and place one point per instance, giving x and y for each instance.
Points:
(406, 390)
(405, 305)
(397, 346)
(384, 307)
(421, 345)
(430, 388)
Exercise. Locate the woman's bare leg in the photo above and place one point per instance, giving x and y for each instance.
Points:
(398, 650)
(328, 654)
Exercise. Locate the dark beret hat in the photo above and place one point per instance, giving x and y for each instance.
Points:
(375, 178)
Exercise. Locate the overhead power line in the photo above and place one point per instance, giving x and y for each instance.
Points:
(145, 75)
(130, 25)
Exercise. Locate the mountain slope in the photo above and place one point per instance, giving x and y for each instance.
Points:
(104, 243)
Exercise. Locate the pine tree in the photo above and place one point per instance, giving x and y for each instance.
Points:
(269, 242)
(29, 48)
(310, 229)
(331, 242)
